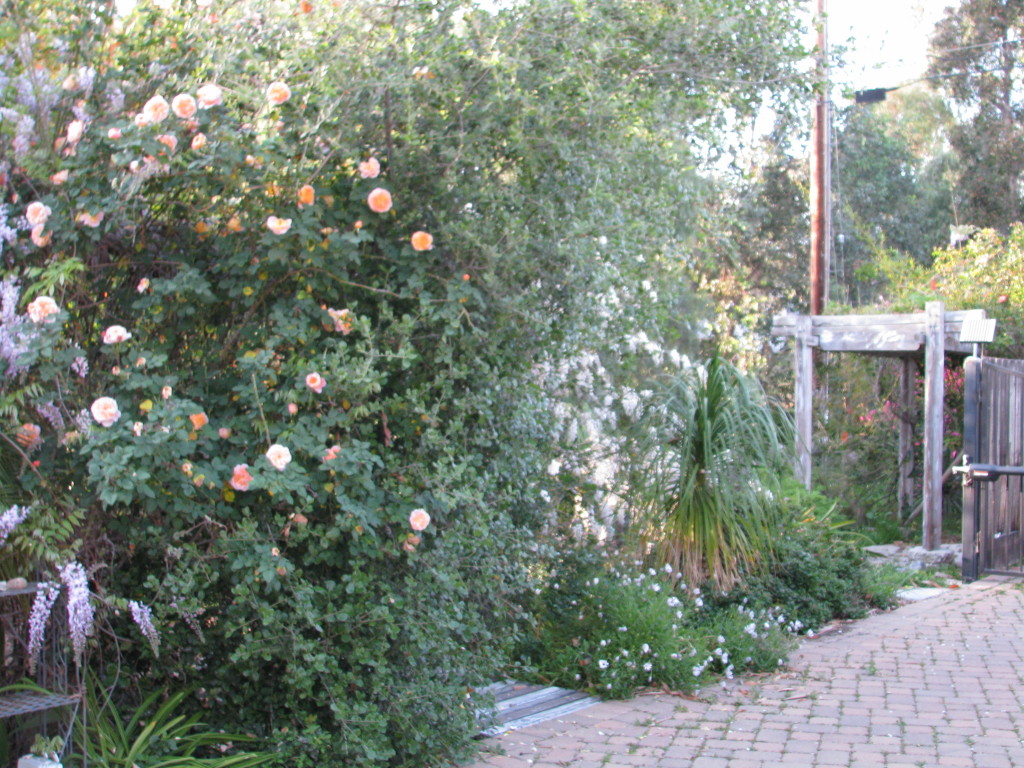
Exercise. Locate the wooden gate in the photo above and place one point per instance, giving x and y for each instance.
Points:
(993, 475)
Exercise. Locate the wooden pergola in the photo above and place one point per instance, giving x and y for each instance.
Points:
(933, 333)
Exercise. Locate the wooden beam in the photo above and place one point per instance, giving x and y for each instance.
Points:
(934, 359)
(887, 340)
(803, 399)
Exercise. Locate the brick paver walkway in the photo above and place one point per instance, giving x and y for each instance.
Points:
(935, 683)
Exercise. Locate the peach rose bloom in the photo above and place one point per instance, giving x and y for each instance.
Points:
(369, 169)
(41, 308)
(89, 219)
(183, 106)
(316, 382)
(306, 195)
(293, 408)
(59, 177)
(419, 519)
(379, 200)
(224, 433)
(114, 133)
(39, 236)
(278, 93)
(240, 477)
(115, 334)
(75, 130)
(105, 411)
(209, 95)
(199, 141)
(199, 420)
(422, 241)
(140, 120)
(165, 393)
(279, 456)
(342, 320)
(156, 109)
(143, 285)
(169, 141)
(234, 224)
(28, 436)
(137, 428)
(332, 453)
(278, 226)
(70, 83)
(37, 213)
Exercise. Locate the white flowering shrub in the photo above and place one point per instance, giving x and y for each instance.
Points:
(613, 627)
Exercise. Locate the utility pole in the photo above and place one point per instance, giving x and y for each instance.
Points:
(821, 196)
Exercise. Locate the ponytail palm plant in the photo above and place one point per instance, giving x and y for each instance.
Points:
(710, 450)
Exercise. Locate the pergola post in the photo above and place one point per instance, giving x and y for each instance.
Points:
(934, 390)
(803, 399)
(905, 484)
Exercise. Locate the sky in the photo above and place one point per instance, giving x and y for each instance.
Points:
(889, 42)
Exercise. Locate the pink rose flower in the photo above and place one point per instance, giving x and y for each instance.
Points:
(89, 219)
(41, 308)
(224, 433)
(278, 226)
(279, 456)
(332, 453)
(169, 141)
(137, 428)
(369, 169)
(240, 477)
(75, 130)
(316, 382)
(156, 109)
(105, 411)
(59, 177)
(379, 200)
(293, 408)
(140, 120)
(40, 238)
(199, 141)
(165, 393)
(115, 334)
(37, 213)
(419, 519)
(278, 93)
(342, 320)
(209, 95)
(183, 106)
(143, 285)
(115, 133)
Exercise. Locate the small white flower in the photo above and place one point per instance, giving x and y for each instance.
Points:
(623, 629)
(602, 664)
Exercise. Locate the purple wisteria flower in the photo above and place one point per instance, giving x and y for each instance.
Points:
(143, 618)
(16, 335)
(10, 519)
(42, 606)
(80, 609)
